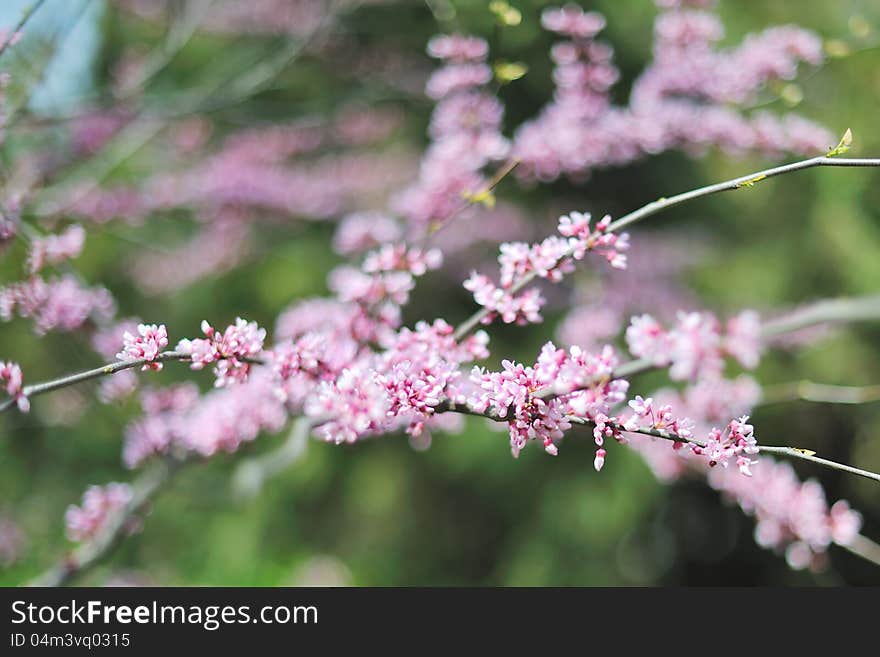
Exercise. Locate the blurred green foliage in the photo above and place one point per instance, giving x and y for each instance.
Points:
(464, 512)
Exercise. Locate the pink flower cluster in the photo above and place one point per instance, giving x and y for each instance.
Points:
(707, 403)
(465, 130)
(688, 97)
(54, 249)
(397, 257)
(576, 226)
(695, 347)
(572, 21)
(147, 344)
(458, 48)
(222, 243)
(365, 230)
(11, 378)
(232, 350)
(62, 304)
(274, 168)
(536, 401)
(219, 421)
(737, 440)
(550, 259)
(791, 515)
(398, 387)
(645, 415)
(99, 505)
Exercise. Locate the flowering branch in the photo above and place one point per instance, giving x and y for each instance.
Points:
(80, 377)
(831, 310)
(807, 455)
(792, 452)
(662, 204)
(145, 488)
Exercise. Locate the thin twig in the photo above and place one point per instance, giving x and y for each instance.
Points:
(742, 182)
(865, 548)
(25, 17)
(105, 370)
(831, 310)
(503, 171)
(807, 455)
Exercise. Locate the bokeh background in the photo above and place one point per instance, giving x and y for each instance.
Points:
(463, 511)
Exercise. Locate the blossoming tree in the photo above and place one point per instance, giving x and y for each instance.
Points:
(348, 367)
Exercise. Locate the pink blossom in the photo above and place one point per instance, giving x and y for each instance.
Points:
(354, 405)
(147, 344)
(219, 421)
(536, 401)
(56, 248)
(117, 387)
(551, 259)
(232, 351)
(457, 77)
(11, 378)
(737, 440)
(791, 515)
(352, 284)
(743, 339)
(457, 47)
(375, 393)
(474, 114)
(531, 418)
(105, 339)
(599, 460)
(59, 304)
(695, 346)
(576, 226)
(147, 436)
(845, 523)
(99, 505)
(648, 416)
(397, 257)
(364, 230)
(523, 308)
(647, 339)
(573, 21)
(179, 397)
(690, 82)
